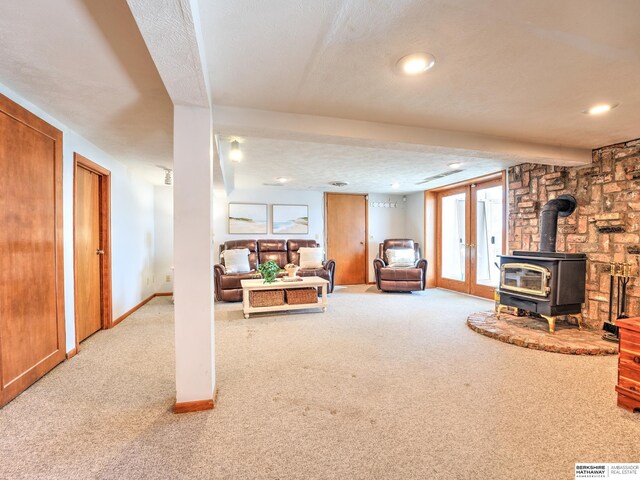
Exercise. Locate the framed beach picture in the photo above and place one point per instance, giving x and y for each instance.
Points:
(289, 219)
(247, 218)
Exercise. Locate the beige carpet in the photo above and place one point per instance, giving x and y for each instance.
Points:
(381, 386)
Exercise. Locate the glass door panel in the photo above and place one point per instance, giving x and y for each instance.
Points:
(453, 233)
(488, 245)
(471, 224)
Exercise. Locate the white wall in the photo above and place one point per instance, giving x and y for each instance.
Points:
(163, 235)
(384, 222)
(270, 196)
(132, 221)
(414, 218)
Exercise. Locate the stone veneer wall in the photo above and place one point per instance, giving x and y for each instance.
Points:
(605, 226)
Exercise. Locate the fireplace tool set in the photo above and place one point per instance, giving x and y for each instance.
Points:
(622, 273)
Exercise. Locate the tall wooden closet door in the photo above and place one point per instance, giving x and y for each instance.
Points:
(87, 253)
(346, 222)
(32, 337)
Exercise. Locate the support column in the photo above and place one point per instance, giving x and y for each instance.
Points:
(193, 259)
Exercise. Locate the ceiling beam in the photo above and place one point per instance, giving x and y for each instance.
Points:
(172, 31)
(241, 121)
(173, 34)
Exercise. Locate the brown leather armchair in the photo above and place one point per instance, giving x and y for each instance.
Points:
(327, 271)
(227, 285)
(394, 279)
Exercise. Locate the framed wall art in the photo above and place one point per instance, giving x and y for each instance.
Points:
(247, 218)
(290, 219)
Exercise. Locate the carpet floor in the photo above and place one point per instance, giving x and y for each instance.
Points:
(381, 386)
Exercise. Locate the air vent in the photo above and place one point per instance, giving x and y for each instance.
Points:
(339, 184)
(438, 176)
(272, 184)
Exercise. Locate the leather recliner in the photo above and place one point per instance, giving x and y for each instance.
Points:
(396, 279)
(327, 271)
(227, 286)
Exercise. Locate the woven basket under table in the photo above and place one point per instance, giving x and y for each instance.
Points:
(266, 298)
(298, 296)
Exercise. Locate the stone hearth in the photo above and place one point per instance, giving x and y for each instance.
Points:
(533, 333)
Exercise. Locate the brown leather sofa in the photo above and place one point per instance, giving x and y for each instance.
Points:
(327, 271)
(390, 279)
(227, 285)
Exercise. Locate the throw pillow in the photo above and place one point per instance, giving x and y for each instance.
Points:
(400, 257)
(236, 260)
(311, 257)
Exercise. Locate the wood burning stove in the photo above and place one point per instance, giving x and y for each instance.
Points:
(546, 282)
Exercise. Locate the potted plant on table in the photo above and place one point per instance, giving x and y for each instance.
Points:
(269, 271)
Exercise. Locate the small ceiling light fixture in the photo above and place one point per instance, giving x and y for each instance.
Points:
(455, 165)
(235, 154)
(338, 183)
(168, 176)
(282, 179)
(395, 185)
(600, 109)
(416, 63)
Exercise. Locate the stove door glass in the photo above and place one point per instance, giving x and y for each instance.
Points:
(525, 278)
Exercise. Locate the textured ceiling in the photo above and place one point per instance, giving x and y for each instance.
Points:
(521, 70)
(85, 63)
(309, 165)
(518, 74)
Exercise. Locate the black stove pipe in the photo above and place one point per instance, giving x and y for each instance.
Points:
(562, 206)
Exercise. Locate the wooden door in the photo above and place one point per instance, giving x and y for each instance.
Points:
(88, 249)
(471, 233)
(346, 220)
(32, 330)
(92, 247)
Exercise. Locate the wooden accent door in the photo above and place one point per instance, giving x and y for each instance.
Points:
(32, 330)
(92, 247)
(88, 249)
(346, 221)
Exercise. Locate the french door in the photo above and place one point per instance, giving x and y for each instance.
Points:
(471, 234)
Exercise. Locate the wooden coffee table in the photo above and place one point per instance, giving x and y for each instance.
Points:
(306, 282)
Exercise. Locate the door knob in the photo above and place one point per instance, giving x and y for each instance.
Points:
(99, 252)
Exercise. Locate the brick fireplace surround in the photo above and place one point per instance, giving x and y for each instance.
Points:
(605, 226)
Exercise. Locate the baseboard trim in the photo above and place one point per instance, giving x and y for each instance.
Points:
(140, 305)
(197, 405)
(72, 353)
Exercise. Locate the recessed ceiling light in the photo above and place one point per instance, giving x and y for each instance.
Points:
(416, 63)
(282, 179)
(235, 154)
(600, 109)
(455, 166)
(395, 185)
